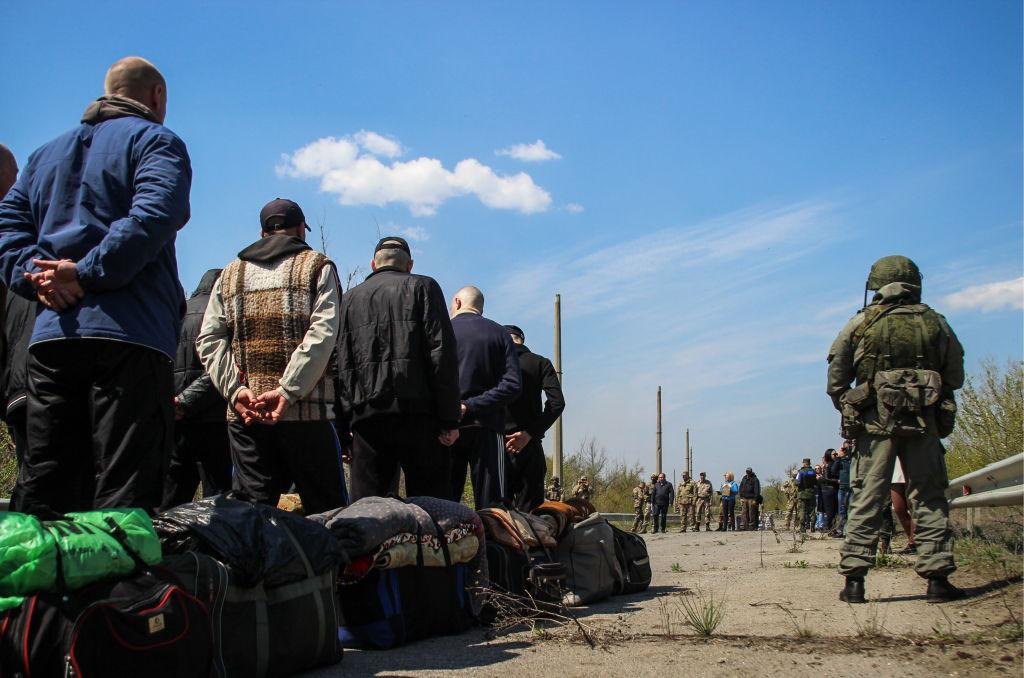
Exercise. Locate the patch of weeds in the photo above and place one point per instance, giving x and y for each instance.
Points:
(889, 560)
(703, 612)
(804, 631)
(1011, 630)
(798, 565)
(943, 633)
(989, 554)
(676, 567)
(798, 543)
(873, 624)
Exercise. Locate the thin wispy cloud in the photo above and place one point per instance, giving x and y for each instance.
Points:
(415, 233)
(996, 296)
(351, 168)
(574, 208)
(535, 152)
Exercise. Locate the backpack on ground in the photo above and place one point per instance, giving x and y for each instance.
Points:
(144, 624)
(522, 569)
(631, 551)
(592, 569)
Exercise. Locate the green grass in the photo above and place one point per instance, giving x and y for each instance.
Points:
(799, 565)
(703, 613)
(889, 560)
(676, 567)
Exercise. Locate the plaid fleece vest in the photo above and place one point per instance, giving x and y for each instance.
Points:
(267, 306)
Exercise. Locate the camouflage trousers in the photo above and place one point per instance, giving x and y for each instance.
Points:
(686, 516)
(924, 465)
(792, 513)
(703, 513)
(639, 519)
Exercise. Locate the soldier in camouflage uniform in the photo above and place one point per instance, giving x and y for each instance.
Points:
(789, 490)
(650, 500)
(554, 491)
(582, 489)
(639, 506)
(686, 497)
(705, 492)
(907, 364)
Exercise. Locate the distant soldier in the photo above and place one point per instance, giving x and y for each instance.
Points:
(705, 491)
(650, 499)
(806, 481)
(686, 498)
(554, 491)
(789, 490)
(582, 489)
(639, 505)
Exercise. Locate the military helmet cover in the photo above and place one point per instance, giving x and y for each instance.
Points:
(894, 268)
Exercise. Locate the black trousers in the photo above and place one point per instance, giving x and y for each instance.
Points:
(659, 517)
(384, 443)
(99, 423)
(17, 427)
(526, 472)
(268, 460)
(201, 453)
(483, 451)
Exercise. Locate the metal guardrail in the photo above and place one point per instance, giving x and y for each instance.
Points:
(998, 484)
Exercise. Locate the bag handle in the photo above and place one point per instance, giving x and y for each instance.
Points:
(118, 533)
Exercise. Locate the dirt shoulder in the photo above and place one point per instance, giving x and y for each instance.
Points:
(781, 613)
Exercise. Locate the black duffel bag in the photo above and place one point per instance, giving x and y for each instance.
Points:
(631, 552)
(142, 625)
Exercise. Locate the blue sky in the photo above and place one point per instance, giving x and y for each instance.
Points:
(713, 182)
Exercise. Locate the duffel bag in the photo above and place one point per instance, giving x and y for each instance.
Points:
(631, 552)
(391, 607)
(588, 553)
(262, 631)
(145, 624)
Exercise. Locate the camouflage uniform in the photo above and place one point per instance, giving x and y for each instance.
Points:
(554, 491)
(705, 491)
(686, 497)
(582, 489)
(894, 343)
(639, 505)
(650, 500)
(789, 490)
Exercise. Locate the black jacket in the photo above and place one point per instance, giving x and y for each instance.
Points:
(662, 493)
(396, 349)
(489, 375)
(196, 394)
(750, 487)
(19, 320)
(527, 413)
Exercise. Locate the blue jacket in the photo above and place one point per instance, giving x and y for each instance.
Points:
(489, 374)
(110, 195)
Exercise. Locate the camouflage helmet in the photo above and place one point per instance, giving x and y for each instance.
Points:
(654, 476)
(892, 269)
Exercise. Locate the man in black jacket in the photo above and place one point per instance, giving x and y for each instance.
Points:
(201, 449)
(489, 381)
(662, 496)
(527, 422)
(398, 377)
(750, 495)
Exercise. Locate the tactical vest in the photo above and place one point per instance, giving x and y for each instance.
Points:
(897, 336)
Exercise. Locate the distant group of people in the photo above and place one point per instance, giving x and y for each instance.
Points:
(120, 392)
(694, 502)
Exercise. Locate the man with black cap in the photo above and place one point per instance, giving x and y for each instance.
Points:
(398, 377)
(527, 422)
(266, 341)
(750, 496)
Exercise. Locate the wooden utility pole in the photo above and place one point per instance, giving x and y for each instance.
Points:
(657, 461)
(556, 466)
(689, 458)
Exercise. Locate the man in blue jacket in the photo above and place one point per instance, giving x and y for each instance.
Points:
(89, 231)
(489, 381)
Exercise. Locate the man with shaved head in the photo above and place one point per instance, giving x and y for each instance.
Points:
(489, 380)
(89, 231)
(398, 377)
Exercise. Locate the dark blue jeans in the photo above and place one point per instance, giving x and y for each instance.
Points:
(844, 505)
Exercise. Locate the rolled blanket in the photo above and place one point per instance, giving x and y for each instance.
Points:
(366, 524)
(403, 555)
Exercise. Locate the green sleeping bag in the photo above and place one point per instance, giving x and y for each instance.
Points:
(82, 546)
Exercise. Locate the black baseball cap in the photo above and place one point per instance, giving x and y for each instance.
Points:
(392, 242)
(515, 331)
(281, 213)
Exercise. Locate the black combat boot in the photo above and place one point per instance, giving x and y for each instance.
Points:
(941, 591)
(853, 592)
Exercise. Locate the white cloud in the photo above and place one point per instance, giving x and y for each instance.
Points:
(574, 208)
(416, 233)
(378, 144)
(1006, 294)
(349, 168)
(535, 152)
